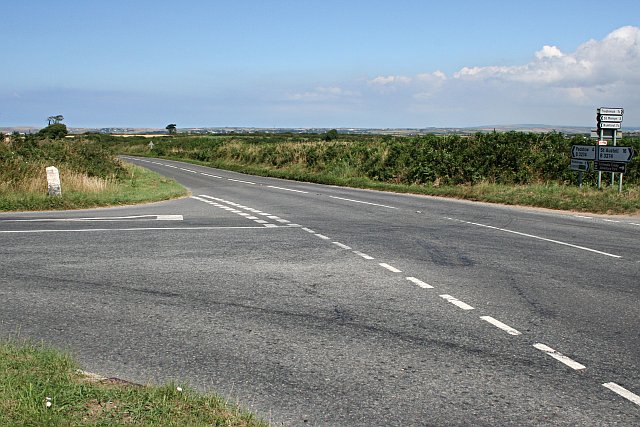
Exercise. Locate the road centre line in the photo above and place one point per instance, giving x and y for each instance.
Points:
(420, 283)
(308, 230)
(365, 203)
(288, 189)
(508, 329)
(322, 236)
(623, 392)
(535, 237)
(341, 245)
(456, 302)
(239, 180)
(365, 256)
(389, 267)
(560, 357)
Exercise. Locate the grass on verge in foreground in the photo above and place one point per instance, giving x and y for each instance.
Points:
(42, 386)
(140, 186)
(551, 196)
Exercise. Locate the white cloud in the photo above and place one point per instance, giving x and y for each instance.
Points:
(322, 93)
(554, 87)
(389, 80)
(549, 52)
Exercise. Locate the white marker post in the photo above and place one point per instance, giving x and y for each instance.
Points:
(53, 181)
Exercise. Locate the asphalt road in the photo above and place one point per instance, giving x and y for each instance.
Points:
(320, 305)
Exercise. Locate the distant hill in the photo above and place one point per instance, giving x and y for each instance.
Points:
(535, 128)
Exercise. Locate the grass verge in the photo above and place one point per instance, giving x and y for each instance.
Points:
(551, 196)
(42, 386)
(140, 185)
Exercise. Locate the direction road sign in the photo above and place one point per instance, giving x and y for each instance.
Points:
(616, 111)
(603, 118)
(607, 133)
(583, 152)
(616, 167)
(579, 165)
(615, 154)
(609, 125)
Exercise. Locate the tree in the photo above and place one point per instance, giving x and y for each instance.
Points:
(330, 135)
(171, 128)
(54, 120)
(53, 131)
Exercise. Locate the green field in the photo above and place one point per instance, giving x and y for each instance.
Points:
(509, 168)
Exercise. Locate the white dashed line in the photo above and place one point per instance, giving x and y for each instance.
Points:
(288, 189)
(340, 245)
(420, 283)
(560, 357)
(508, 329)
(322, 236)
(365, 203)
(365, 256)
(623, 392)
(308, 230)
(535, 237)
(239, 180)
(457, 302)
(582, 216)
(389, 267)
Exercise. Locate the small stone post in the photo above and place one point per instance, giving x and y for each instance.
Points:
(53, 181)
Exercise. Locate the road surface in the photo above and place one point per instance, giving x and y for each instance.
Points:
(321, 305)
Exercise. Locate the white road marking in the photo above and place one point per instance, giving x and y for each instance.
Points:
(420, 283)
(308, 230)
(582, 216)
(288, 189)
(261, 221)
(341, 245)
(83, 230)
(365, 203)
(103, 219)
(508, 329)
(253, 217)
(611, 220)
(560, 357)
(623, 392)
(212, 176)
(284, 221)
(457, 302)
(323, 237)
(169, 217)
(389, 267)
(273, 217)
(243, 182)
(365, 256)
(536, 237)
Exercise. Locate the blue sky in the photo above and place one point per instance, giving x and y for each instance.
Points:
(314, 63)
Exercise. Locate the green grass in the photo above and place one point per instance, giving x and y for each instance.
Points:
(41, 386)
(551, 196)
(140, 185)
